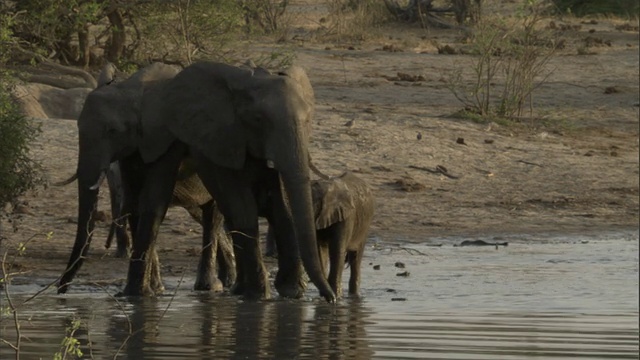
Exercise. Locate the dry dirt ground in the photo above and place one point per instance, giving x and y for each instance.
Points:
(572, 170)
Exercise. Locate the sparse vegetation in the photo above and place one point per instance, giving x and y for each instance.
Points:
(18, 171)
(510, 62)
(351, 20)
(83, 33)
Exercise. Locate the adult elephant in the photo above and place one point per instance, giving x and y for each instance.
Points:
(249, 136)
(110, 130)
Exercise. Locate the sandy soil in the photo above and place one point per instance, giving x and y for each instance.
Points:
(574, 169)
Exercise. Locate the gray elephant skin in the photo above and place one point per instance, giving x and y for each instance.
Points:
(248, 134)
(343, 207)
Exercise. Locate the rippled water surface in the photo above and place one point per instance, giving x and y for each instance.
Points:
(537, 298)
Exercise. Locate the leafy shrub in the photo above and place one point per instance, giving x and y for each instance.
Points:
(18, 172)
(510, 62)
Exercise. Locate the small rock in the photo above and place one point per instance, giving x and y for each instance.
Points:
(22, 209)
(398, 299)
(447, 49)
(404, 273)
(611, 90)
(488, 141)
(399, 265)
(460, 141)
(376, 267)
(419, 136)
(391, 290)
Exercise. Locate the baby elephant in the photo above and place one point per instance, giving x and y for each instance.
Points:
(343, 208)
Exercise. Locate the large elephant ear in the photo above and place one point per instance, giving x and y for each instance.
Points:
(148, 86)
(299, 76)
(331, 201)
(155, 137)
(199, 108)
(109, 107)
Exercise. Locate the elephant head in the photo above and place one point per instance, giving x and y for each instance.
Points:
(230, 114)
(109, 129)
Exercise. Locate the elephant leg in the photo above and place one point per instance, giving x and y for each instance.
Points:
(156, 279)
(323, 251)
(354, 258)
(207, 277)
(225, 257)
(118, 226)
(270, 246)
(290, 281)
(251, 281)
(337, 251)
(123, 241)
(153, 203)
(233, 193)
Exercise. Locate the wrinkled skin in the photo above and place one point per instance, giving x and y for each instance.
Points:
(343, 208)
(248, 133)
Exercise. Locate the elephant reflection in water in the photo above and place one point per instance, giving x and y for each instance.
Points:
(222, 328)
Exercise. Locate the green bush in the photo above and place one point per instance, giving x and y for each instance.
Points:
(606, 7)
(510, 63)
(18, 172)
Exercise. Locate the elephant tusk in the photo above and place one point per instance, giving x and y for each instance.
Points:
(103, 175)
(68, 181)
(270, 164)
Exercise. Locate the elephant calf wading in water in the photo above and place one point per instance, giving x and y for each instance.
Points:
(343, 208)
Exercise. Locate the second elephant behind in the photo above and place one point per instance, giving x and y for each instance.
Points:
(343, 208)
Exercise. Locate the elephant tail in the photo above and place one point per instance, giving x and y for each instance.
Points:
(73, 178)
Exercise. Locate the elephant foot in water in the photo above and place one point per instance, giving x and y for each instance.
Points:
(146, 291)
(208, 283)
(122, 253)
(291, 285)
(260, 292)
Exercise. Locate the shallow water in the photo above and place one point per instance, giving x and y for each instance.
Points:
(569, 297)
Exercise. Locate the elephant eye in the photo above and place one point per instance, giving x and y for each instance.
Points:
(258, 119)
(111, 132)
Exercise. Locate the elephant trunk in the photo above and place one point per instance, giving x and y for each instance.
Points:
(86, 208)
(88, 174)
(297, 189)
